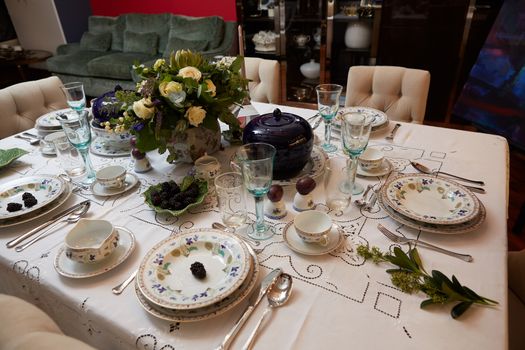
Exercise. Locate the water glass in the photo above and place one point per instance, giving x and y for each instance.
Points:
(256, 163)
(78, 133)
(231, 198)
(355, 133)
(75, 96)
(328, 105)
(68, 156)
(335, 181)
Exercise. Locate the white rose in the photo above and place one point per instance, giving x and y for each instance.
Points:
(159, 63)
(195, 115)
(166, 88)
(190, 72)
(144, 108)
(211, 87)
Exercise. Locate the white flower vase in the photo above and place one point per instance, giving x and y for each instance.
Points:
(358, 35)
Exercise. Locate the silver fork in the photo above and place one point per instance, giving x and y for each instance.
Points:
(393, 133)
(398, 239)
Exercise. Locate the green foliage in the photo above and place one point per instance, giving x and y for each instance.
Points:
(411, 277)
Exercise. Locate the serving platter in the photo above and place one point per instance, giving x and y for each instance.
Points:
(164, 275)
(430, 199)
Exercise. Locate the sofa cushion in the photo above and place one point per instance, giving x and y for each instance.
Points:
(145, 43)
(95, 41)
(145, 23)
(116, 65)
(113, 25)
(74, 63)
(176, 43)
(198, 28)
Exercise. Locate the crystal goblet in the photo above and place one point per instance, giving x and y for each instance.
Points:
(328, 105)
(75, 96)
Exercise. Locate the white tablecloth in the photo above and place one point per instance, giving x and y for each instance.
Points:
(338, 301)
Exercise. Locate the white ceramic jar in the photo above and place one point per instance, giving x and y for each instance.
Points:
(311, 70)
(358, 35)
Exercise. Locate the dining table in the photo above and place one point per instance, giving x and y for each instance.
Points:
(338, 300)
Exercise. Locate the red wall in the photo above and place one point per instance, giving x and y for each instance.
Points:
(197, 8)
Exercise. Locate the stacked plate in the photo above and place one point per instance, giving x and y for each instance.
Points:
(432, 204)
(380, 118)
(166, 287)
(48, 123)
(49, 191)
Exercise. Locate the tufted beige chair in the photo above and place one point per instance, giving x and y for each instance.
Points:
(265, 84)
(27, 327)
(399, 92)
(516, 266)
(21, 104)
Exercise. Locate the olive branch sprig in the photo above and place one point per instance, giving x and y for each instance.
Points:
(411, 277)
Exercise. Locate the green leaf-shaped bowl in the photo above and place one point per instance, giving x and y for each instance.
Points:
(9, 155)
(203, 190)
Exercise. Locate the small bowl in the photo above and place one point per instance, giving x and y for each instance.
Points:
(313, 226)
(112, 138)
(113, 176)
(371, 159)
(91, 241)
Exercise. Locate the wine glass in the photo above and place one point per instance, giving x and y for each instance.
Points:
(76, 99)
(256, 163)
(355, 133)
(328, 104)
(78, 133)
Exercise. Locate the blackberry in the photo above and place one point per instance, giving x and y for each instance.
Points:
(156, 200)
(165, 186)
(188, 200)
(30, 202)
(164, 204)
(13, 207)
(192, 192)
(198, 270)
(27, 195)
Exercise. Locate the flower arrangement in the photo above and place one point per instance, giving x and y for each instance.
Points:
(185, 92)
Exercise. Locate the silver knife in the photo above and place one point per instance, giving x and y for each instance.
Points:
(16, 241)
(266, 284)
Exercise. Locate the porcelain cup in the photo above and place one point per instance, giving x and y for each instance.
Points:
(301, 39)
(313, 226)
(113, 176)
(91, 241)
(371, 159)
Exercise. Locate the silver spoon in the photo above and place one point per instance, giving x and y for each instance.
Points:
(72, 218)
(427, 170)
(219, 226)
(66, 177)
(363, 200)
(120, 288)
(393, 133)
(277, 296)
(32, 141)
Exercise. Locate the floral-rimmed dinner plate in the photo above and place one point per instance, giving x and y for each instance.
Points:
(206, 312)
(460, 228)
(430, 199)
(101, 147)
(7, 156)
(165, 278)
(295, 243)
(39, 212)
(314, 168)
(49, 120)
(380, 118)
(45, 188)
(72, 269)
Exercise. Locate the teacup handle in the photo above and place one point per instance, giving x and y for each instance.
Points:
(325, 240)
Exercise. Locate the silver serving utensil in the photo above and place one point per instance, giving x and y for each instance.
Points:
(266, 284)
(12, 243)
(72, 218)
(66, 178)
(393, 132)
(476, 189)
(219, 226)
(32, 141)
(117, 290)
(398, 239)
(28, 134)
(429, 171)
(317, 123)
(373, 199)
(364, 200)
(277, 296)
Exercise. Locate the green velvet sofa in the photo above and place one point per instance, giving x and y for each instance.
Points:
(106, 53)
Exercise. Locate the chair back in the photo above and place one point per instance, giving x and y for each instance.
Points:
(399, 92)
(265, 80)
(23, 103)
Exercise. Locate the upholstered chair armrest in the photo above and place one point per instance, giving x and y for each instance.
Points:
(67, 49)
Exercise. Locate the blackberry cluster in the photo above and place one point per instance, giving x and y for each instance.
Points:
(29, 201)
(169, 196)
(198, 270)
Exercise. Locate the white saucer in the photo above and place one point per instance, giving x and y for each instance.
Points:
(296, 244)
(382, 170)
(68, 268)
(101, 148)
(99, 190)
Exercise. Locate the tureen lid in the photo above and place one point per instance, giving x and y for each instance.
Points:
(277, 118)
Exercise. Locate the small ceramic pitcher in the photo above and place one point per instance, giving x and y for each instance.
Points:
(207, 168)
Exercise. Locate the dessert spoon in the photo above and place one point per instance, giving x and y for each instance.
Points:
(427, 170)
